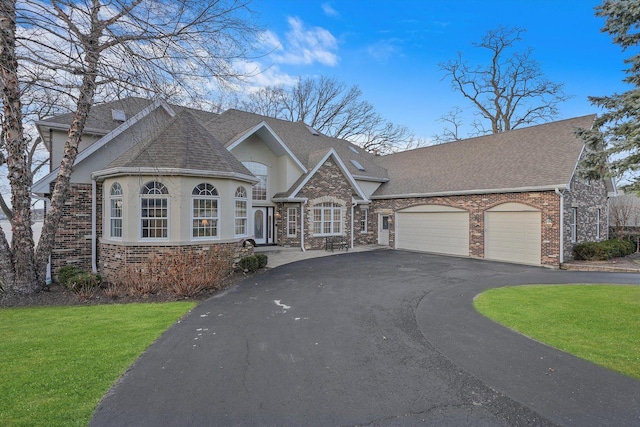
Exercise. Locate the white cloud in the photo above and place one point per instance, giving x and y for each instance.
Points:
(384, 50)
(306, 46)
(330, 11)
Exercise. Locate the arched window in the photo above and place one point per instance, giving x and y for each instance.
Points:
(115, 211)
(204, 213)
(241, 212)
(260, 171)
(327, 219)
(154, 211)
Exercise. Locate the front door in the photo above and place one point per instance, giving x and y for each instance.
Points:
(383, 230)
(262, 225)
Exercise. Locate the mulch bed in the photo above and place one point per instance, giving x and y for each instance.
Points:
(57, 295)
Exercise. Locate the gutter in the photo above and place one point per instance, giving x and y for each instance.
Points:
(465, 192)
(302, 203)
(119, 171)
(561, 194)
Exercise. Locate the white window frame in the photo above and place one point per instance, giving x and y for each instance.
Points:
(324, 214)
(261, 171)
(364, 219)
(240, 221)
(158, 191)
(573, 224)
(292, 222)
(116, 195)
(205, 193)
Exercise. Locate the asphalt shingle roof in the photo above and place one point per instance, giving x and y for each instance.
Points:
(182, 143)
(232, 124)
(537, 156)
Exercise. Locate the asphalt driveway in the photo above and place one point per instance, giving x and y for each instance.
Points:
(382, 338)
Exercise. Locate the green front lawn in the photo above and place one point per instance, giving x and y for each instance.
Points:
(57, 362)
(599, 323)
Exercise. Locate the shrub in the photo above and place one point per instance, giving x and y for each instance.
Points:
(181, 274)
(249, 263)
(263, 259)
(604, 250)
(67, 272)
(83, 283)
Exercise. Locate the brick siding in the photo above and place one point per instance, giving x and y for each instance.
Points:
(547, 202)
(73, 236)
(115, 258)
(328, 184)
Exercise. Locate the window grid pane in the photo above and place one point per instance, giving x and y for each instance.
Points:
(116, 217)
(327, 219)
(205, 218)
(292, 222)
(154, 218)
(241, 218)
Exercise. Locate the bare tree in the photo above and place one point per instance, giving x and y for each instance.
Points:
(624, 213)
(97, 49)
(333, 109)
(453, 124)
(510, 90)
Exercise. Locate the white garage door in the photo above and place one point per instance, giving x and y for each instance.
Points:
(512, 233)
(431, 228)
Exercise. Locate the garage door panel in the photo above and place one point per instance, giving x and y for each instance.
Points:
(513, 237)
(438, 232)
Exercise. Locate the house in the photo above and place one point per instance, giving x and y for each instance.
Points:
(152, 178)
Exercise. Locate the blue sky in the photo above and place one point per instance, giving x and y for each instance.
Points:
(391, 49)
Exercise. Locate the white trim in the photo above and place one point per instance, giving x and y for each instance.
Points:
(265, 125)
(561, 225)
(323, 220)
(216, 218)
(168, 217)
(467, 192)
(289, 199)
(364, 215)
(42, 186)
(107, 209)
(113, 172)
(370, 178)
(295, 217)
(575, 167)
(94, 201)
(573, 224)
(246, 213)
(341, 165)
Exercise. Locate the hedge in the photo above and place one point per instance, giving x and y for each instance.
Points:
(604, 250)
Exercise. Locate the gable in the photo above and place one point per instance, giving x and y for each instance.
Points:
(329, 169)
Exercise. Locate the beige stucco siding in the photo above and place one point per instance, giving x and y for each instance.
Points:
(368, 187)
(180, 221)
(283, 171)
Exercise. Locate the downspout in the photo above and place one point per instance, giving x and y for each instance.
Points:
(48, 279)
(559, 193)
(353, 205)
(302, 225)
(94, 267)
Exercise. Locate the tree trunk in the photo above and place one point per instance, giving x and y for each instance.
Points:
(61, 187)
(20, 258)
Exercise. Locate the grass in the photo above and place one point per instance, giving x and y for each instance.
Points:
(599, 323)
(57, 362)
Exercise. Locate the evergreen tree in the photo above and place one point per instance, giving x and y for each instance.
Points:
(614, 140)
